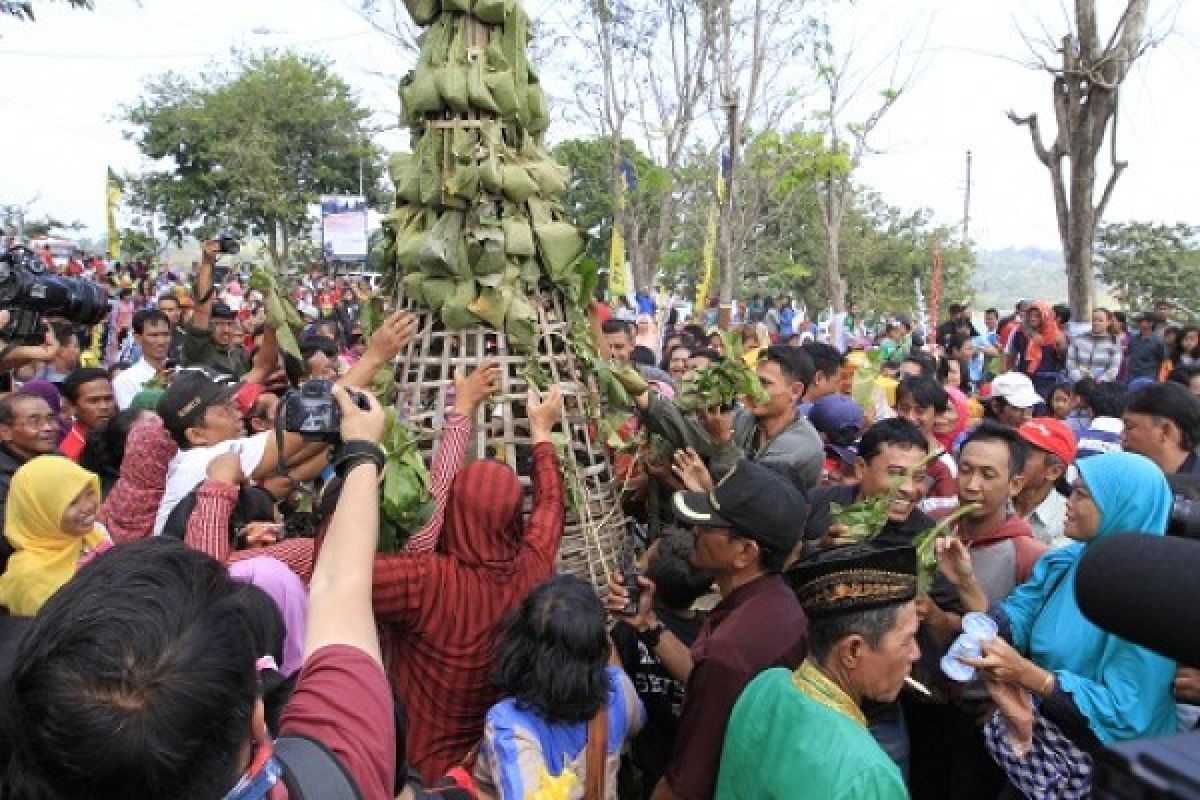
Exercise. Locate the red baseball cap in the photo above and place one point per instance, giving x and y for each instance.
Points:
(1051, 435)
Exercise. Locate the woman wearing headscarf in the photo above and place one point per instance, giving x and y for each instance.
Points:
(286, 590)
(1039, 348)
(129, 509)
(50, 521)
(952, 423)
(1093, 687)
(442, 612)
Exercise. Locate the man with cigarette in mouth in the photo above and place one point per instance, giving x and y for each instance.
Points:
(802, 734)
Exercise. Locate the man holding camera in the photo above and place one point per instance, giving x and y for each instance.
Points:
(204, 415)
(211, 339)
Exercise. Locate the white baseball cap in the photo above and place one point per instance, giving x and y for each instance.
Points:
(1016, 389)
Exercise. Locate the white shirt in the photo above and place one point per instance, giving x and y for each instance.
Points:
(189, 468)
(131, 381)
(1049, 520)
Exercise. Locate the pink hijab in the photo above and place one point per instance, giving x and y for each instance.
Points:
(962, 405)
(129, 510)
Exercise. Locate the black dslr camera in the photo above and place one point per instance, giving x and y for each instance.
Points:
(1185, 506)
(29, 294)
(312, 411)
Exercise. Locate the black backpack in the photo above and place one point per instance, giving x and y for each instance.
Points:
(312, 772)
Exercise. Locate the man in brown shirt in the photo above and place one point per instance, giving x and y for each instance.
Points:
(745, 528)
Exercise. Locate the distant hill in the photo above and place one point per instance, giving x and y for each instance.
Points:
(1005, 276)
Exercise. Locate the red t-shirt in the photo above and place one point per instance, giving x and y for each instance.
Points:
(343, 701)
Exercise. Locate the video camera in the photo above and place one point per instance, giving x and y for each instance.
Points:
(312, 411)
(29, 294)
(1185, 506)
(1140, 588)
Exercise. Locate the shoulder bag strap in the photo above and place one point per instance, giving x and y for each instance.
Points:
(312, 772)
(596, 755)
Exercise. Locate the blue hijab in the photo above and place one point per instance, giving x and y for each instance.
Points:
(1124, 691)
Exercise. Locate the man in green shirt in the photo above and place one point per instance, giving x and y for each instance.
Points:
(211, 338)
(802, 734)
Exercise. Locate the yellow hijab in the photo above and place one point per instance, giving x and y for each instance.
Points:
(45, 556)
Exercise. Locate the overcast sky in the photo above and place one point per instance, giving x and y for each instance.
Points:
(66, 76)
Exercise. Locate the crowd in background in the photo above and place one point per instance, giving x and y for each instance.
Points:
(195, 607)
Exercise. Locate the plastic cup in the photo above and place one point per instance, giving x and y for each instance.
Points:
(977, 628)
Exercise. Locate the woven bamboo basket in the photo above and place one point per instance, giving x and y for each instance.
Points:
(596, 530)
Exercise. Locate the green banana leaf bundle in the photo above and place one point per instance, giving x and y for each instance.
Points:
(479, 226)
(406, 503)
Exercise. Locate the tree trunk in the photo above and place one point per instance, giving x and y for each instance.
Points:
(1086, 89)
(273, 242)
(833, 268)
(1077, 244)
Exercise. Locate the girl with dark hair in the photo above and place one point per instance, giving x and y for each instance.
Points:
(105, 448)
(551, 668)
(1186, 352)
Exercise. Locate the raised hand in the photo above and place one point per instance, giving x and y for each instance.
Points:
(471, 390)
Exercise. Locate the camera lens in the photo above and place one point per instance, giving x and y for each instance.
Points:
(1185, 517)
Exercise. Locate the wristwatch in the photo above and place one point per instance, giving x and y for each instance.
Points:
(651, 635)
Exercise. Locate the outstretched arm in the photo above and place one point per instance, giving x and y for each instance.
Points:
(545, 528)
(339, 598)
(469, 392)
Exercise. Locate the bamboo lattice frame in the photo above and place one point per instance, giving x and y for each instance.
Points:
(595, 532)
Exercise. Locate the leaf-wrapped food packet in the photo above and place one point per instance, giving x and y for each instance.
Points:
(440, 254)
(521, 324)
(492, 305)
(560, 244)
(451, 80)
(437, 291)
(503, 90)
(518, 236)
(456, 313)
(518, 185)
(412, 284)
(423, 12)
(477, 90)
(550, 177)
(492, 11)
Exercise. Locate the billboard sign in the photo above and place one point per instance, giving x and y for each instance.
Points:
(344, 227)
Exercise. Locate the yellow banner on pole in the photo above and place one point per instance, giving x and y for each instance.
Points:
(709, 253)
(112, 200)
(618, 281)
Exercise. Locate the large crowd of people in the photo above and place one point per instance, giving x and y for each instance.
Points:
(194, 605)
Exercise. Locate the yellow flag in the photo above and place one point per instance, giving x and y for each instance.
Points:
(618, 282)
(709, 253)
(113, 199)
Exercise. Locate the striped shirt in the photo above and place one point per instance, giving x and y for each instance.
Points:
(1097, 356)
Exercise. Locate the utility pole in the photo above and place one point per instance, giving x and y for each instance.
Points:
(966, 226)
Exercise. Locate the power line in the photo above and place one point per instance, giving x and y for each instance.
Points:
(60, 56)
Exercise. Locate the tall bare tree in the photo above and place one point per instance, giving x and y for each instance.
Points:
(1087, 76)
(754, 48)
(647, 82)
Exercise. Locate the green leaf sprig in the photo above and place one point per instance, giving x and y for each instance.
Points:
(721, 385)
(406, 503)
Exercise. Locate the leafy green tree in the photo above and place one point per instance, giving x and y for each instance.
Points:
(251, 149)
(589, 195)
(138, 245)
(1144, 261)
